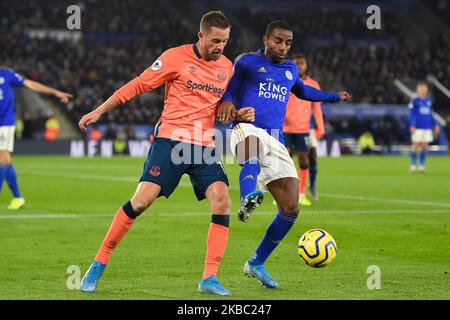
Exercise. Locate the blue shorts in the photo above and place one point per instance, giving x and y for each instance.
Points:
(298, 142)
(168, 160)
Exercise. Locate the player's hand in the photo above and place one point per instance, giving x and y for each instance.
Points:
(87, 119)
(246, 114)
(412, 130)
(64, 97)
(225, 111)
(343, 96)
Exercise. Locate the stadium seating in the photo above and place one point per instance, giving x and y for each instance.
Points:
(121, 39)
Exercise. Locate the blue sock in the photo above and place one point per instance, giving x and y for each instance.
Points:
(312, 176)
(11, 178)
(413, 158)
(2, 176)
(276, 231)
(248, 177)
(423, 156)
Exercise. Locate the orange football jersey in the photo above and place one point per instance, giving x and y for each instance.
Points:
(194, 88)
(298, 113)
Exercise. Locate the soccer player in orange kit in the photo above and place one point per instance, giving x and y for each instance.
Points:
(196, 77)
(297, 133)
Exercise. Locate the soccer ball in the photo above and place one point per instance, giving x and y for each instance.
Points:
(317, 248)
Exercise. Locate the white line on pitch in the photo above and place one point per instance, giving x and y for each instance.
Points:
(399, 201)
(317, 212)
(53, 216)
(178, 214)
(86, 176)
(184, 183)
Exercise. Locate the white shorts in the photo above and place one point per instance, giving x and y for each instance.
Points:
(422, 135)
(312, 139)
(7, 138)
(276, 163)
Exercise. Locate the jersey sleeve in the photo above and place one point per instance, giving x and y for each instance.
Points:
(164, 69)
(15, 79)
(236, 80)
(305, 92)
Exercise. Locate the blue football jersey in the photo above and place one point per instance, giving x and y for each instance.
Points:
(264, 85)
(421, 113)
(8, 79)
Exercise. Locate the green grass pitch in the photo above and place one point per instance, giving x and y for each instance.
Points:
(378, 213)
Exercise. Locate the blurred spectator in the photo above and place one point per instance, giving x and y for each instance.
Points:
(120, 143)
(384, 135)
(366, 143)
(95, 134)
(51, 129)
(19, 128)
(129, 132)
(111, 133)
(28, 123)
(121, 39)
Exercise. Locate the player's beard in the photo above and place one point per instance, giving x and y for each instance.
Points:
(215, 55)
(274, 56)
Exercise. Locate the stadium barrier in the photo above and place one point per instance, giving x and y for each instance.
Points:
(134, 148)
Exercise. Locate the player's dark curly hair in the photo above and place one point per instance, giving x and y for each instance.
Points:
(277, 24)
(302, 56)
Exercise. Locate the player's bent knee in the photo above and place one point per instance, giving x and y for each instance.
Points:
(221, 205)
(290, 208)
(140, 206)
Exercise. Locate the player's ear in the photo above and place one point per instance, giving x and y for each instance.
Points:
(265, 40)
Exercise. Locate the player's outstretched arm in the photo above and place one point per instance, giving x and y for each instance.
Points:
(305, 92)
(64, 97)
(93, 116)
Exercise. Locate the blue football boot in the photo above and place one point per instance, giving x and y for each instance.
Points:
(250, 202)
(211, 285)
(92, 277)
(259, 272)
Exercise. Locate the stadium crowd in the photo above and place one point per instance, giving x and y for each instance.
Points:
(122, 39)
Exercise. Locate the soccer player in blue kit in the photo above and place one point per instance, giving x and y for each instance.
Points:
(421, 126)
(263, 80)
(9, 79)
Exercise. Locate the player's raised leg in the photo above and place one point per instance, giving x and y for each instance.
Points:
(145, 195)
(284, 191)
(248, 155)
(220, 203)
